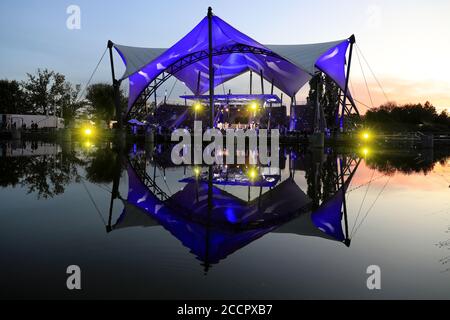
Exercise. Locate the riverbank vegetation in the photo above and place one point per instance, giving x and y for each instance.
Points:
(392, 117)
(47, 92)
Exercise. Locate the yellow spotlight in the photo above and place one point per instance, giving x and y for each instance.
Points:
(365, 135)
(87, 131)
(197, 106)
(197, 171)
(252, 173)
(254, 106)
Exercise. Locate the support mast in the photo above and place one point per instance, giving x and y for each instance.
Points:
(116, 88)
(341, 120)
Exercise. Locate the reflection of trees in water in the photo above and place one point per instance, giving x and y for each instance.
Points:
(407, 163)
(12, 170)
(321, 177)
(102, 167)
(47, 175)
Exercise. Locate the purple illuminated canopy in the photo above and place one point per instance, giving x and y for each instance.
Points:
(289, 67)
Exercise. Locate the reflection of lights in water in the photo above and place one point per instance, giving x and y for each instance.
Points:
(88, 144)
(365, 152)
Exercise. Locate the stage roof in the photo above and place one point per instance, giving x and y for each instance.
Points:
(289, 67)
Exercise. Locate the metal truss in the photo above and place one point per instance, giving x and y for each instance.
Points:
(139, 108)
(350, 109)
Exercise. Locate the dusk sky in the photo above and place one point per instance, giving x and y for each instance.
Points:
(406, 43)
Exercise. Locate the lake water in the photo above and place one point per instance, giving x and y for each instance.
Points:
(139, 227)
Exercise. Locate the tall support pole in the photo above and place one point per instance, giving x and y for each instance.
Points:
(270, 107)
(344, 204)
(291, 116)
(262, 81)
(347, 239)
(154, 96)
(211, 105)
(115, 189)
(251, 81)
(211, 68)
(197, 91)
(341, 122)
(116, 88)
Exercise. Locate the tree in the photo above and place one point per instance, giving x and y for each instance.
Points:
(69, 103)
(47, 91)
(101, 97)
(37, 88)
(408, 117)
(12, 98)
(328, 93)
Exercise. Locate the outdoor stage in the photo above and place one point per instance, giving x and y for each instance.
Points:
(214, 53)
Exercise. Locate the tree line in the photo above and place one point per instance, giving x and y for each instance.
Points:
(389, 117)
(407, 117)
(49, 93)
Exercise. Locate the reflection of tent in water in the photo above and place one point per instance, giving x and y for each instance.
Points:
(325, 222)
(230, 223)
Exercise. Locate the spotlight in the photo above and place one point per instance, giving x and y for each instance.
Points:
(197, 171)
(365, 135)
(197, 106)
(254, 106)
(252, 173)
(87, 131)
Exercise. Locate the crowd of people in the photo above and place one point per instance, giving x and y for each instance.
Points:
(14, 125)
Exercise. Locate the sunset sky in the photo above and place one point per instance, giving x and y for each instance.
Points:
(406, 43)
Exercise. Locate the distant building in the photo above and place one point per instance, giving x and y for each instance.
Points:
(8, 121)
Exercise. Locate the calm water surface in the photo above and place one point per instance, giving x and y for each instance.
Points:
(140, 227)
